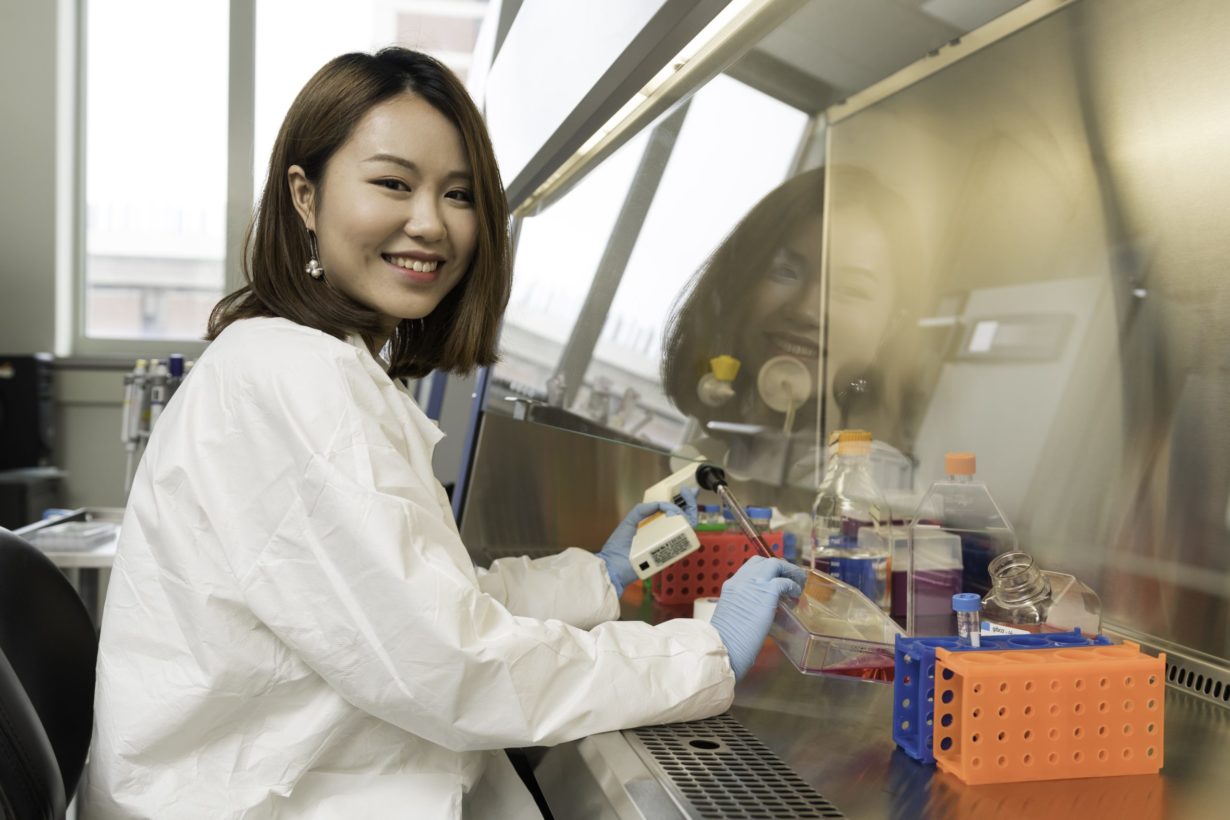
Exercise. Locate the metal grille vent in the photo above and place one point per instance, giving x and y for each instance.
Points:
(1203, 680)
(715, 768)
(1187, 670)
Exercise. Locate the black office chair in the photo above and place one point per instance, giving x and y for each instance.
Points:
(47, 651)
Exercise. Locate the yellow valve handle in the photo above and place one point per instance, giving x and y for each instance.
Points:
(724, 367)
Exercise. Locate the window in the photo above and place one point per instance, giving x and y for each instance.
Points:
(294, 38)
(167, 97)
(692, 196)
(155, 185)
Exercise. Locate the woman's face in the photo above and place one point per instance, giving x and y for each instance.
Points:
(783, 316)
(784, 312)
(394, 215)
(862, 293)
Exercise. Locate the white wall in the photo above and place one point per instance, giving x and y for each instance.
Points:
(28, 169)
(87, 401)
(88, 447)
(454, 419)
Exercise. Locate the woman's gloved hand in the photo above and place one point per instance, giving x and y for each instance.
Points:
(615, 551)
(745, 610)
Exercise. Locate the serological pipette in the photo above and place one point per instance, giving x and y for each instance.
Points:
(713, 478)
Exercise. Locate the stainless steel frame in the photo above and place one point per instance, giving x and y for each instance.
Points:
(1204, 677)
(960, 48)
(535, 489)
(1067, 161)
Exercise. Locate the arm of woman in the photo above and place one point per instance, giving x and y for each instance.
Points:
(571, 586)
(564, 586)
(348, 558)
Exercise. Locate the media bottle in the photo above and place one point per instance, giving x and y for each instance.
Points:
(761, 518)
(1024, 598)
(851, 522)
(709, 518)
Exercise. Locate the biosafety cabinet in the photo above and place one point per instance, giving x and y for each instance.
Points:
(998, 227)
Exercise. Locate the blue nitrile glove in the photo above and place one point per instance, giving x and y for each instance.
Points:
(615, 551)
(744, 613)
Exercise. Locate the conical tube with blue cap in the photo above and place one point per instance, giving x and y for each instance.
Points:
(968, 606)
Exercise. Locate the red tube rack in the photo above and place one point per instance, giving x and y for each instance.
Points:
(702, 573)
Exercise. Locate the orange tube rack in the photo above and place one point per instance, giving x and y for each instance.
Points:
(1003, 717)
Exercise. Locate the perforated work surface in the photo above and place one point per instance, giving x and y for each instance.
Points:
(715, 768)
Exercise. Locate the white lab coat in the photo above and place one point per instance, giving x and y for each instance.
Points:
(294, 629)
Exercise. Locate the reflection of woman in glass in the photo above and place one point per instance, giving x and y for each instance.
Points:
(759, 299)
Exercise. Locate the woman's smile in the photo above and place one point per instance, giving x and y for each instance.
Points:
(416, 267)
(792, 344)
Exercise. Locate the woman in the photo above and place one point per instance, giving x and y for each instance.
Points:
(294, 628)
(759, 298)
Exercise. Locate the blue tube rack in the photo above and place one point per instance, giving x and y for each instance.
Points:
(914, 679)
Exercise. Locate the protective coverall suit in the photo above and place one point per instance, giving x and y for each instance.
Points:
(293, 627)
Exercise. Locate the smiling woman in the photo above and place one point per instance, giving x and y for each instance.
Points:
(382, 166)
(394, 213)
(294, 627)
(760, 298)
(755, 297)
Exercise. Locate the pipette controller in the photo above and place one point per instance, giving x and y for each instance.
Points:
(662, 539)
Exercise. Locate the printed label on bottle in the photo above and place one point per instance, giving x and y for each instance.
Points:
(990, 628)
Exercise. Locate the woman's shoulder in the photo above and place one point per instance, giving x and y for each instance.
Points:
(279, 362)
(248, 336)
(290, 383)
(255, 364)
(269, 345)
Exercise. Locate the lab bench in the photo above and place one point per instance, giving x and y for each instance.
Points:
(88, 569)
(796, 745)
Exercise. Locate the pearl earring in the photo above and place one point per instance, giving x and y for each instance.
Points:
(314, 269)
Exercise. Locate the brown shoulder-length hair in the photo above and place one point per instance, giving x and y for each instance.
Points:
(716, 301)
(462, 332)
